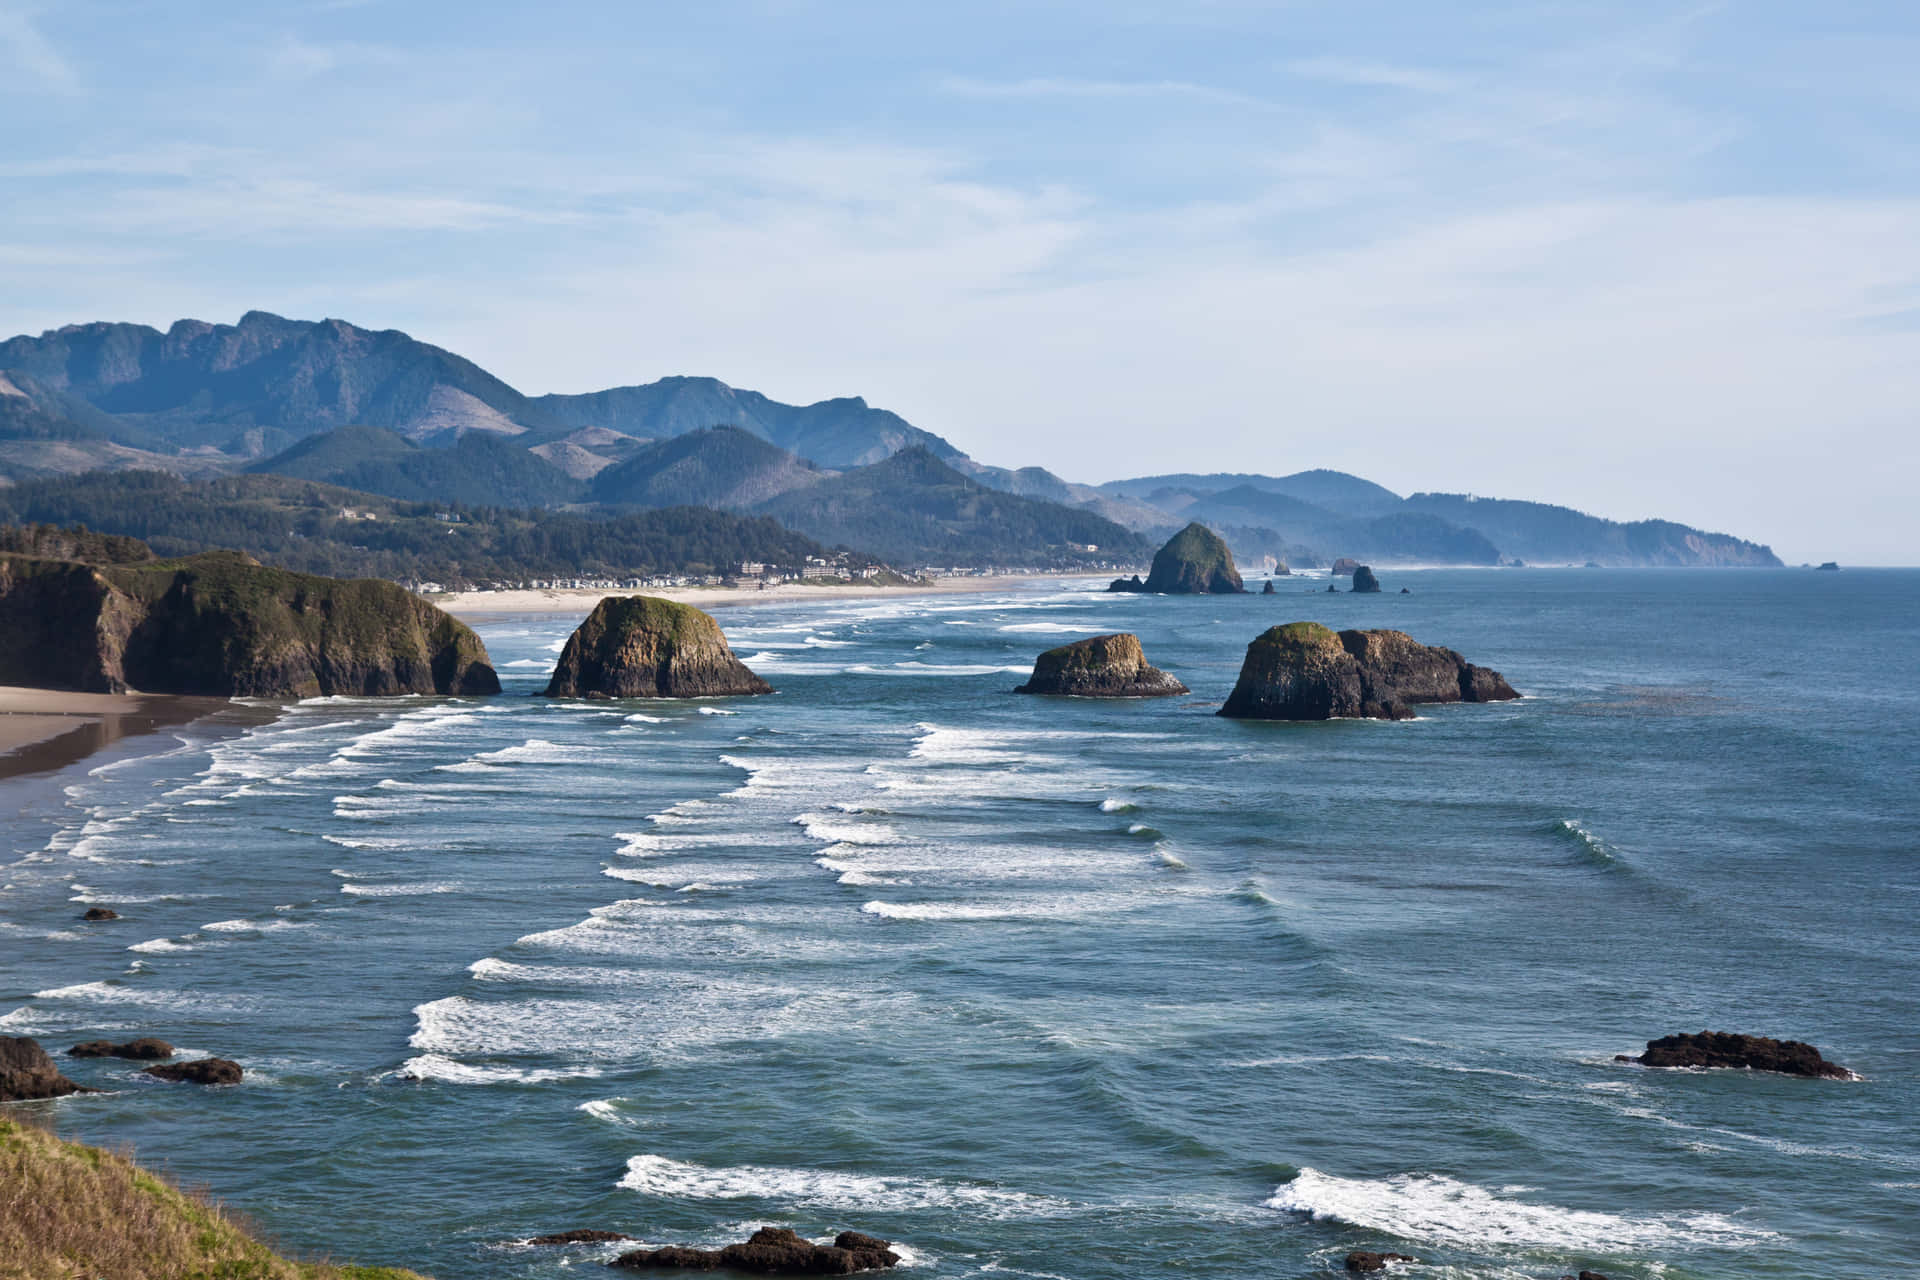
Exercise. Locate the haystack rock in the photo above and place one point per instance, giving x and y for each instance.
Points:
(1749, 1053)
(773, 1251)
(1194, 562)
(27, 1073)
(1305, 671)
(1103, 667)
(223, 624)
(646, 647)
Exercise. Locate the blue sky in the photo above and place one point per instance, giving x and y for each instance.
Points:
(1641, 258)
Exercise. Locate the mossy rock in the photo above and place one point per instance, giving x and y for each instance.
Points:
(649, 647)
(1195, 561)
(1306, 671)
(1101, 667)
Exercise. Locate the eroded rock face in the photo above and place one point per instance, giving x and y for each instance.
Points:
(1102, 667)
(199, 1071)
(221, 624)
(646, 647)
(1364, 583)
(1193, 562)
(28, 1073)
(772, 1251)
(1305, 671)
(145, 1049)
(1750, 1053)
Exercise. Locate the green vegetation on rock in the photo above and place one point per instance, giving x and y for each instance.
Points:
(647, 647)
(68, 1210)
(1194, 562)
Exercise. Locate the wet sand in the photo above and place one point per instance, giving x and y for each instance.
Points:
(482, 604)
(46, 729)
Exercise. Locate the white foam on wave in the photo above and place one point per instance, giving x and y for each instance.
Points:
(937, 669)
(253, 926)
(658, 1176)
(537, 751)
(852, 874)
(370, 842)
(156, 946)
(642, 718)
(434, 1066)
(604, 1109)
(1114, 804)
(400, 890)
(1434, 1208)
(1050, 628)
(649, 844)
(540, 663)
(717, 711)
(836, 831)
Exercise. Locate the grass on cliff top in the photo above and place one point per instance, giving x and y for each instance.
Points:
(72, 1212)
(1301, 634)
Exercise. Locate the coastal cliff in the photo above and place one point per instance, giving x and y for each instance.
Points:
(220, 624)
(647, 647)
(1306, 671)
(1102, 667)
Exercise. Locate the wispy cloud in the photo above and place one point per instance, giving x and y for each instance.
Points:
(31, 56)
(1066, 87)
(1377, 75)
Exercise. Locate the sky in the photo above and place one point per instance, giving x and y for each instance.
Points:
(1636, 257)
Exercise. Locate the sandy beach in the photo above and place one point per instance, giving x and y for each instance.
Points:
(480, 604)
(44, 729)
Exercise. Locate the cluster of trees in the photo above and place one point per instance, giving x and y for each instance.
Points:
(317, 528)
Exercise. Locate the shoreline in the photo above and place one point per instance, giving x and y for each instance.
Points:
(468, 605)
(45, 730)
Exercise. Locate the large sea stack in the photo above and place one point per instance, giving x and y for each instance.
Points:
(1194, 562)
(1305, 671)
(1103, 667)
(27, 1073)
(646, 647)
(224, 625)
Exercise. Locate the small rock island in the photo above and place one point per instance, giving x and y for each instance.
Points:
(1364, 583)
(647, 647)
(223, 624)
(1726, 1049)
(1194, 562)
(1306, 671)
(1102, 667)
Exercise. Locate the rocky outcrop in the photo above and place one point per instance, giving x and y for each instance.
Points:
(1344, 566)
(145, 1049)
(585, 1235)
(1268, 589)
(646, 647)
(1127, 584)
(1749, 1053)
(1305, 671)
(1194, 562)
(27, 1073)
(772, 1251)
(223, 625)
(1365, 1260)
(1364, 583)
(199, 1071)
(95, 915)
(1103, 667)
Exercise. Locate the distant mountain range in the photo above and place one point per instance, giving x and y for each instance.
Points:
(382, 413)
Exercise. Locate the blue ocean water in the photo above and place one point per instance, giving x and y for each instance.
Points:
(1051, 988)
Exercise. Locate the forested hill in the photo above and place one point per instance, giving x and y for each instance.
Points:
(318, 528)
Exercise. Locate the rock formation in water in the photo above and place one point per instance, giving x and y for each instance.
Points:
(1751, 1053)
(1195, 561)
(584, 1235)
(222, 624)
(1103, 667)
(646, 647)
(1364, 583)
(95, 915)
(27, 1073)
(1344, 566)
(774, 1251)
(199, 1071)
(145, 1049)
(1366, 1260)
(1127, 584)
(1305, 671)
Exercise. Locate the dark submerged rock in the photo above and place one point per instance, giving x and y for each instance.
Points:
(585, 1235)
(771, 1251)
(646, 647)
(145, 1049)
(1364, 583)
(1127, 584)
(1194, 562)
(1305, 671)
(222, 624)
(1365, 1260)
(1750, 1053)
(1102, 667)
(28, 1073)
(97, 914)
(199, 1071)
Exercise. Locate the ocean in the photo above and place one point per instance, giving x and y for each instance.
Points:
(1038, 987)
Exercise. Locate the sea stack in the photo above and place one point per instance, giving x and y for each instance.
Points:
(646, 647)
(224, 625)
(1194, 562)
(27, 1073)
(1739, 1052)
(1306, 671)
(1364, 583)
(1103, 667)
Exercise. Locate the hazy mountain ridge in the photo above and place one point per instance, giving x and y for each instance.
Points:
(479, 468)
(716, 467)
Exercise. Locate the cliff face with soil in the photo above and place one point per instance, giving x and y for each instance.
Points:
(1102, 667)
(219, 624)
(1305, 671)
(646, 647)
